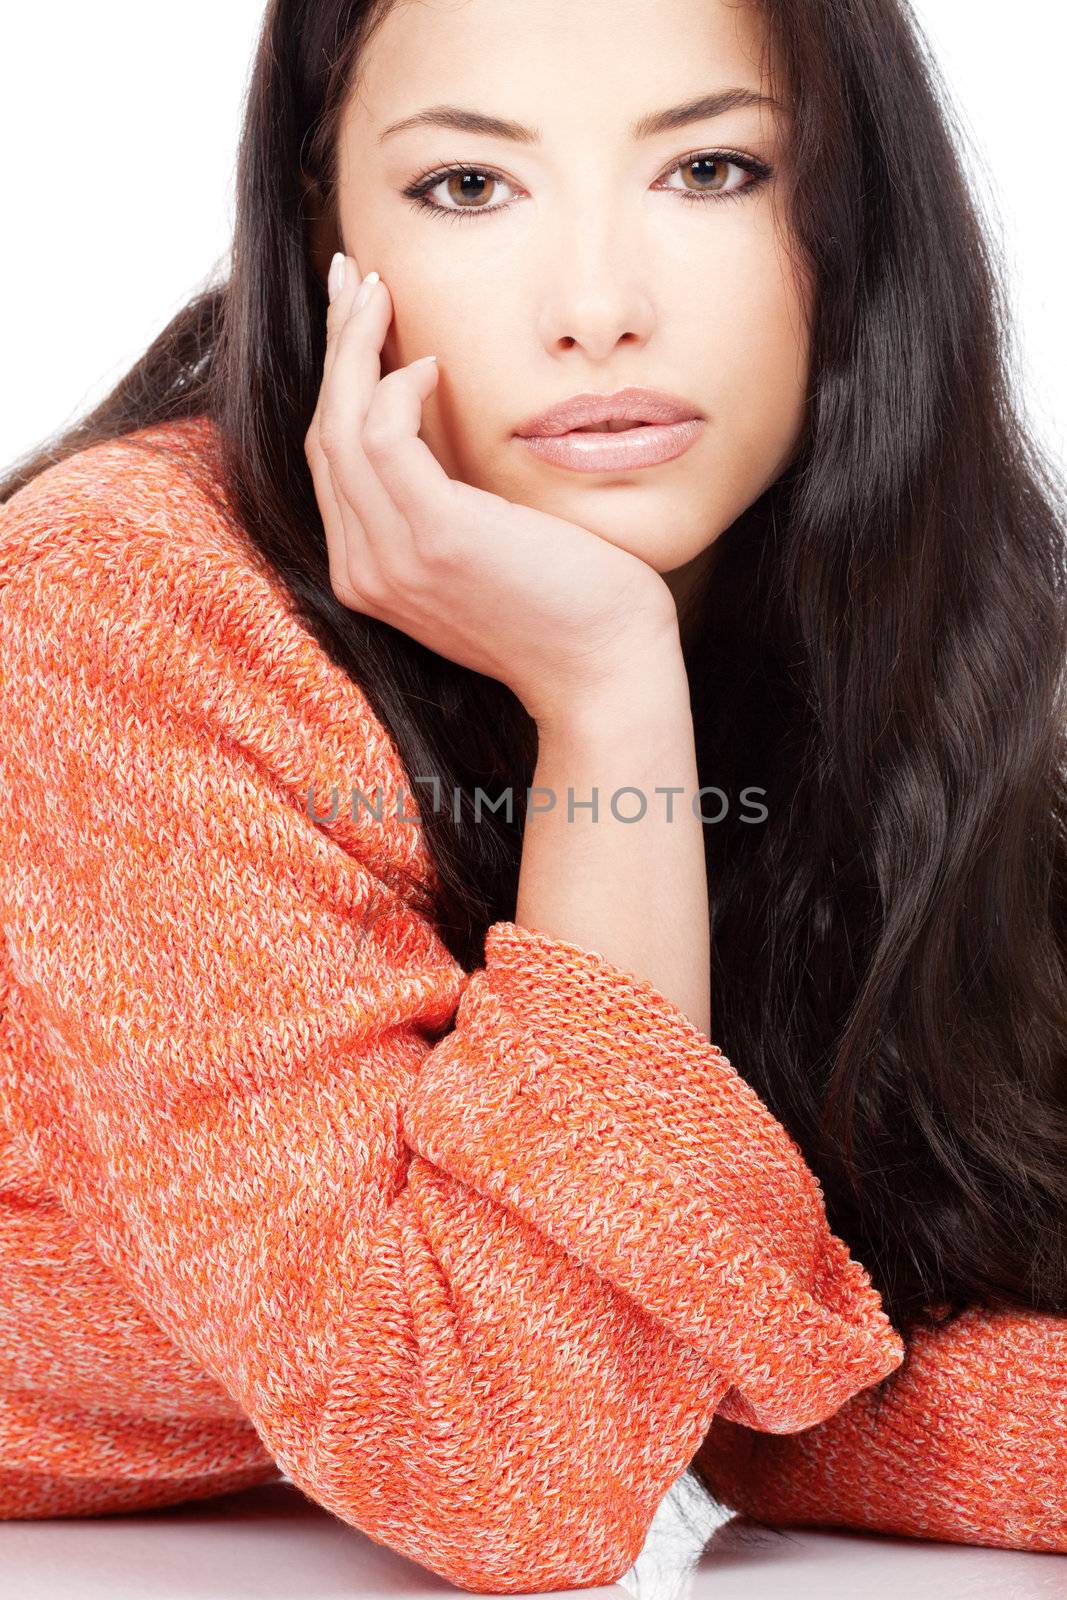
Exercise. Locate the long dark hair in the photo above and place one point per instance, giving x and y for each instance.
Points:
(881, 650)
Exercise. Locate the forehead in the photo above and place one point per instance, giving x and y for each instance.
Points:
(552, 63)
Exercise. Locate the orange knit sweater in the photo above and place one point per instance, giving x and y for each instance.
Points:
(480, 1260)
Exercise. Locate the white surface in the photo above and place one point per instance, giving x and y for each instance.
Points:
(273, 1544)
(119, 124)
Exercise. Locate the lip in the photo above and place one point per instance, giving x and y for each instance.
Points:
(647, 446)
(624, 405)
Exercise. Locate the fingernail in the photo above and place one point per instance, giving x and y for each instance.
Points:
(364, 290)
(421, 362)
(336, 280)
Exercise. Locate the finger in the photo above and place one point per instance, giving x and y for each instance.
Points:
(340, 307)
(355, 343)
(372, 537)
(344, 402)
(338, 310)
(414, 479)
(346, 544)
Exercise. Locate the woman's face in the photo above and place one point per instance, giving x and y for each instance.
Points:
(587, 258)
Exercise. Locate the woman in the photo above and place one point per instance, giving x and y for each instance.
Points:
(397, 1157)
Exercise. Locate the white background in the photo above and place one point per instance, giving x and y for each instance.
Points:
(119, 124)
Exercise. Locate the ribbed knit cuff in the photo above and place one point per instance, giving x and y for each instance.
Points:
(586, 1101)
(966, 1442)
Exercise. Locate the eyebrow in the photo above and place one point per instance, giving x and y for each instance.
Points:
(701, 109)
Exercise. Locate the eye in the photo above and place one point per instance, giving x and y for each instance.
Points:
(712, 166)
(469, 185)
(465, 185)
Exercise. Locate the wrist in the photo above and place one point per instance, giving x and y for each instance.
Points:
(647, 685)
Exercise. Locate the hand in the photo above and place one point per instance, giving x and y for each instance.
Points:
(548, 607)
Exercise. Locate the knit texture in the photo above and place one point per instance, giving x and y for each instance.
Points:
(475, 1258)
(966, 1441)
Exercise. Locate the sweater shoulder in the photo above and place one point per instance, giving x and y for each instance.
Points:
(123, 567)
(154, 499)
(126, 553)
(136, 537)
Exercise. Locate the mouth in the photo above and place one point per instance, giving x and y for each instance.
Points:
(618, 412)
(618, 447)
(614, 426)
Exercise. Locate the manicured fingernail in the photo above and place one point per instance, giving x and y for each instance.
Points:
(336, 280)
(364, 291)
(421, 362)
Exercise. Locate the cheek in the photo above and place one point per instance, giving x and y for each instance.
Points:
(439, 323)
(420, 317)
(756, 348)
(763, 349)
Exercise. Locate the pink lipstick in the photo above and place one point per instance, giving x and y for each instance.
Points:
(616, 432)
(644, 445)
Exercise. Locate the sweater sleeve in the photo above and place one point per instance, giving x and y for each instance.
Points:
(965, 1442)
(477, 1254)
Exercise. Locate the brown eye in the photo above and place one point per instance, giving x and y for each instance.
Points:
(710, 175)
(464, 190)
(711, 171)
(467, 186)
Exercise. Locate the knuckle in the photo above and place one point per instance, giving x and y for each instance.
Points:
(329, 437)
(377, 440)
(351, 600)
(408, 577)
(442, 556)
(348, 586)
(374, 593)
(440, 549)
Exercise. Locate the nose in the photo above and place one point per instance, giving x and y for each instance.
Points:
(596, 294)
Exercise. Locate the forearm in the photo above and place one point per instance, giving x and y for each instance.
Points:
(963, 1442)
(634, 890)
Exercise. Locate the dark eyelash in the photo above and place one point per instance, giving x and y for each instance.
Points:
(417, 191)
